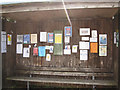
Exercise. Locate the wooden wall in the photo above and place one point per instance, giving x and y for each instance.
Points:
(100, 64)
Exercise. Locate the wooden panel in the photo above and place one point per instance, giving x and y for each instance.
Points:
(101, 25)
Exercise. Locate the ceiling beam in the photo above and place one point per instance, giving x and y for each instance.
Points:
(24, 7)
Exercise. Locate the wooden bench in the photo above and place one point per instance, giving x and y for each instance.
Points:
(64, 81)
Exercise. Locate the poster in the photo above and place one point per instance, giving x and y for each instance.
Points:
(85, 38)
(83, 54)
(102, 39)
(26, 52)
(19, 49)
(102, 50)
(33, 38)
(74, 48)
(84, 31)
(3, 42)
(35, 51)
(48, 57)
(43, 36)
(26, 38)
(68, 31)
(94, 33)
(93, 47)
(50, 37)
(41, 51)
(67, 50)
(9, 39)
(84, 45)
(19, 38)
(58, 38)
(93, 39)
(67, 40)
(58, 49)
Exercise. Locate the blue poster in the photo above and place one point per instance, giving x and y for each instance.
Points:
(41, 51)
(103, 39)
(68, 31)
(26, 39)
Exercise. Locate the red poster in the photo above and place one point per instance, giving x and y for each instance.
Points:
(35, 51)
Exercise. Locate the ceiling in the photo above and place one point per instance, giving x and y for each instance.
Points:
(60, 14)
(27, 1)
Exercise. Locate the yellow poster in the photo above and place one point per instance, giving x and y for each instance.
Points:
(9, 39)
(58, 38)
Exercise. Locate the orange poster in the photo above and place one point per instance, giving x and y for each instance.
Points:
(94, 47)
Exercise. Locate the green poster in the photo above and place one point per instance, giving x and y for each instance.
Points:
(58, 42)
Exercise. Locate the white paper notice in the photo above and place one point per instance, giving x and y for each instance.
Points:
(67, 39)
(83, 55)
(93, 39)
(51, 49)
(43, 36)
(3, 38)
(20, 38)
(19, 48)
(85, 38)
(48, 57)
(26, 52)
(94, 33)
(47, 47)
(84, 31)
(3, 47)
(114, 37)
(3, 42)
(84, 45)
(67, 51)
(74, 48)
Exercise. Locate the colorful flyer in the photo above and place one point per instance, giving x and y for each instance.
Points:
(68, 31)
(26, 38)
(41, 51)
(48, 57)
(74, 48)
(93, 47)
(50, 37)
(102, 39)
(58, 38)
(9, 39)
(102, 50)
